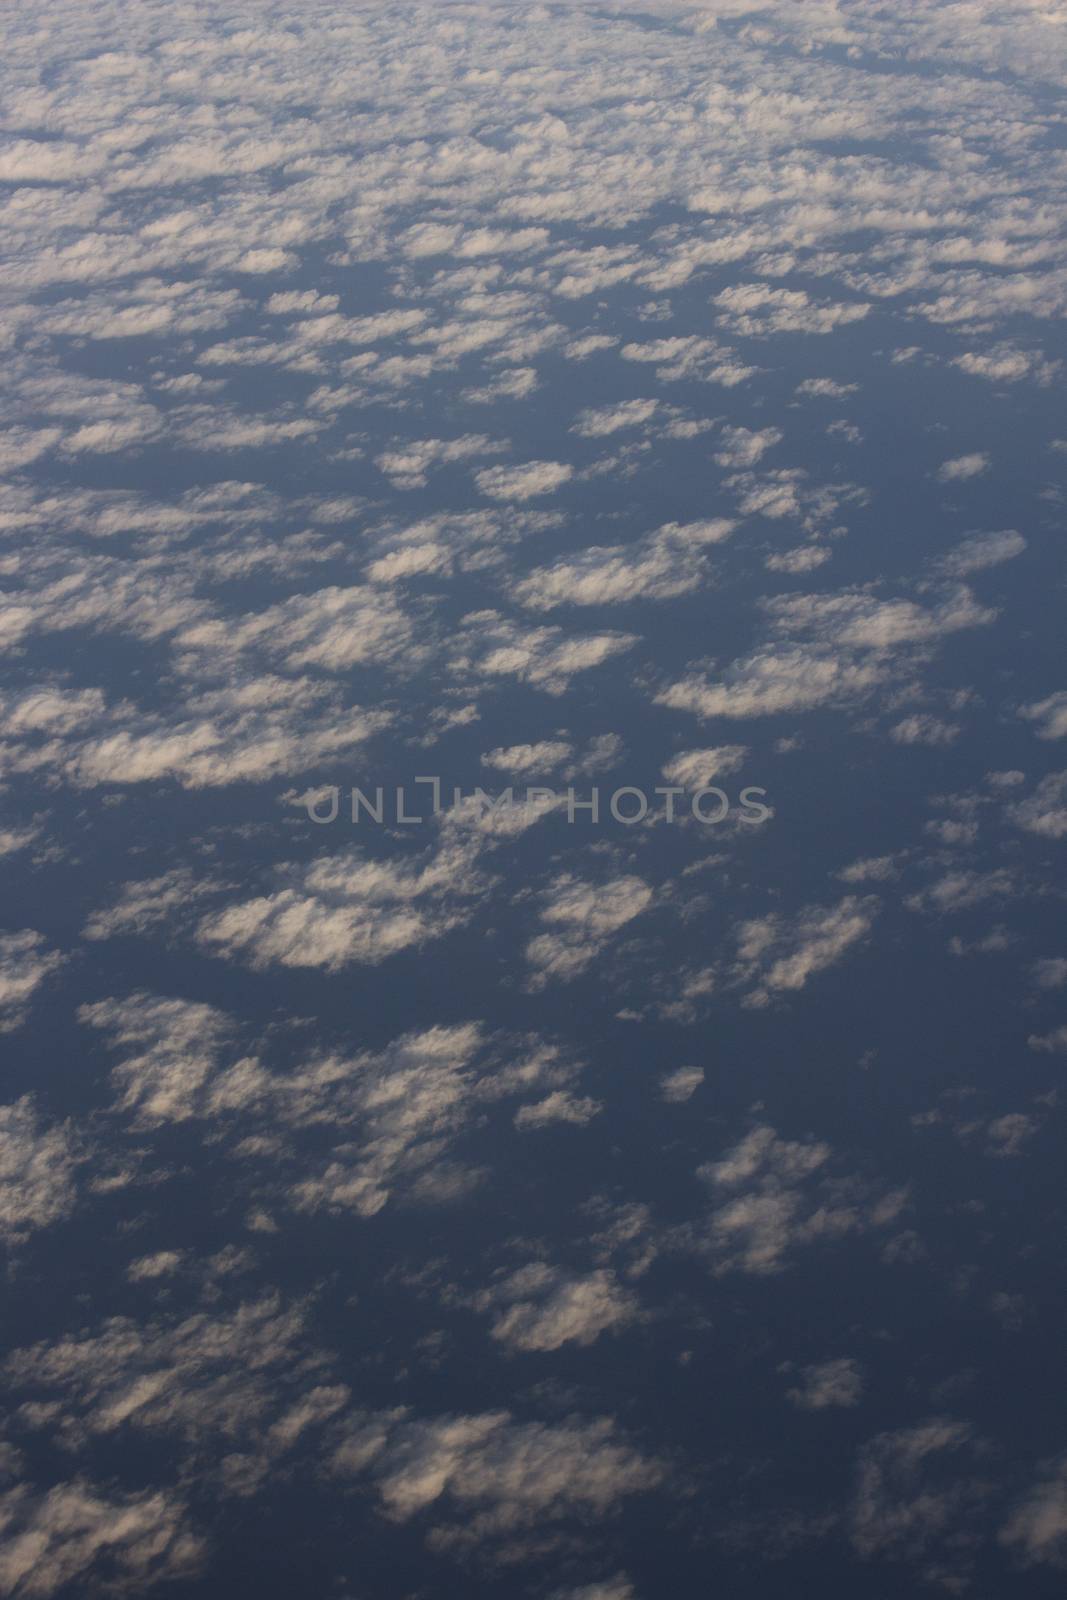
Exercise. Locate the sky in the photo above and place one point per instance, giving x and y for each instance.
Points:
(533, 986)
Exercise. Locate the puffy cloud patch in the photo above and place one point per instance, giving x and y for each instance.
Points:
(25, 962)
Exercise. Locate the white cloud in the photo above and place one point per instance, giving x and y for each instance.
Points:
(958, 890)
(408, 463)
(146, 904)
(773, 1196)
(690, 356)
(661, 566)
(160, 1264)
(170, 1053)
(755, 309)
(921, 728)
(698, 769)
(780, 955)
(680, 1085)
(792, 678)
(1045, 811)
(579, 918)
(1037, 1527)
(79, 1533)
(523, 483)
(1050, 714)
(1007, 364)
(559, 1106)
(803, 558)
(351, 1130)
(741, 447)
(831, 1383)
(962, 467)
(25, 962)
(598, 422)
(1054, 1043)
(20, 446)
(350, 908)
(253, 729)
(618, 1587)
(825, 388)
(521, 760)
(38, 1164)
(488, 1477)
(982, 550)
(859, 643)
(492, 647)
(539, 1307)
(910, 1494)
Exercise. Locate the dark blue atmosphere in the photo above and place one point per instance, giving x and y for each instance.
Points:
(662, 401)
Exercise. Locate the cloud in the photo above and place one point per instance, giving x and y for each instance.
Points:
(521, 760)
(79, 1533)
(962, 467)
(858, 620)
(921, 728)
(1050, 1043)
(774, 681)
(333, 629)
(982, 550)
(538, 212)
(661, 566)
(914, 1493)
(253, 729)
(597, 423)
(859, 643)
(25, 963)
(348, 1132)
(170, 1054)
(559, 1106)
(490, 647)
(147, 904)
(1006, 364)
(17, 838)
(523, 483)
(698, 769)
(869, 869)
(831, 1383)
(1050, 713)
(38, 1165)
(680, 1085)
(579, 918)
(780, 955)
(540, 1307)
(755, 309)
(958, 890)
(618, 1587)
(350, 908)
(1050, 973)
(515, 384)
(488, 1478)
(20, 446)
(772, 1196)
(741, 447)
(230, 1389)
(804, 558)
(1036, 1530)
(690, 356)
(825, 388)
(160, 1264)
(408, 464)
(400, 1111)
(1045, 811)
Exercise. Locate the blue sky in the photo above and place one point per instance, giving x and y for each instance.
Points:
(659, 397)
